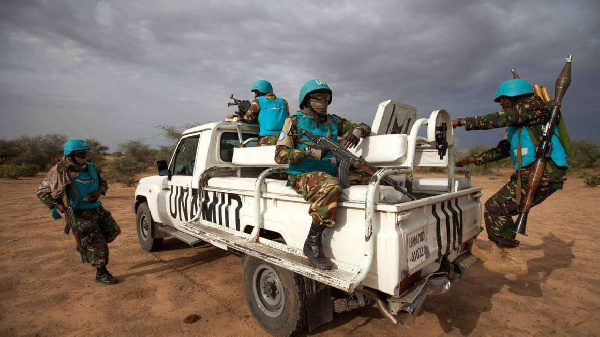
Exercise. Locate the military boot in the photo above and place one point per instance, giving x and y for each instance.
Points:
(488, 253)
(510, 261)
(105, 277)
(313, 248)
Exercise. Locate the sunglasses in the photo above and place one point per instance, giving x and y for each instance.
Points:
(320, 96)
(80, 154)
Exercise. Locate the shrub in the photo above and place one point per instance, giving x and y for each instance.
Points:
(591, 179)
(138, 151)
(586, 154)
(17, 171)
(124, 170)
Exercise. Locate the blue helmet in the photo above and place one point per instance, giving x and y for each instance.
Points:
(262, 86)
(513, 88)
(313, 85)
(75, 145)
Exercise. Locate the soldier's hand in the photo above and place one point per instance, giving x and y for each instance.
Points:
(316, 153)
(457, 122)
(353, 138)
(60, 208)
(95, 195)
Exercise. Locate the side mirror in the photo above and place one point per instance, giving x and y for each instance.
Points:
(163, 168)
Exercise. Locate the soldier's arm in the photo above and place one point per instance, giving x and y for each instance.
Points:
(251, 116)
(501, 151)
(287, 107)
(285, 152)
(44, 192)
(103, 184)
(346, 126)
(532, 110)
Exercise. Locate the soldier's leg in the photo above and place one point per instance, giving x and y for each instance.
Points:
(498, 213)
(322, 191)
(94, 244)
(504, 255)
(109, 227)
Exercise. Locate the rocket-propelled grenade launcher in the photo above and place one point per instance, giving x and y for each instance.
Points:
(544, 148)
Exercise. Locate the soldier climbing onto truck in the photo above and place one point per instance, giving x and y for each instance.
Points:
(312, 172)
(526, 115)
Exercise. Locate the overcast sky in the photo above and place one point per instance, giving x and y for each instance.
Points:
(113, 70)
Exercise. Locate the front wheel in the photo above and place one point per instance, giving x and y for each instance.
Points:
(275, 297)
(145, 229)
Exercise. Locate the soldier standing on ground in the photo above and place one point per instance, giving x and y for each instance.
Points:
(75, 181)
(313, 172)
(525, 115)
(269, 111)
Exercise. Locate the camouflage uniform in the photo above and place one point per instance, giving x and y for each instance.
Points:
(251, 117)
(96, 227)
(531, 113)
(322, 190)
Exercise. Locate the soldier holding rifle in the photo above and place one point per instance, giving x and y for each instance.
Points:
(531, 138)
(73, 187)
(313, 171)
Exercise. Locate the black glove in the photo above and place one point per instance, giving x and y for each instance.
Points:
(95, 195)
(353, 138)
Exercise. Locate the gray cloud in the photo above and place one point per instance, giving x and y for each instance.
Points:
(113, 70)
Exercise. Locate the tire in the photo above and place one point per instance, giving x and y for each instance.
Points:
(275, 297)
(145, 227)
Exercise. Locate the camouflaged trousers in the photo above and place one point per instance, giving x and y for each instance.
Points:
(97, 228)
(322, 191)
(502, 206)
(268, 140)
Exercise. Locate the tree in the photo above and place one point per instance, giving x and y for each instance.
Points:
(8, 149)
(39, 150)
(137, 150)
(98, 150)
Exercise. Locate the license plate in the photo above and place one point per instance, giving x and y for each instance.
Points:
(418, 251)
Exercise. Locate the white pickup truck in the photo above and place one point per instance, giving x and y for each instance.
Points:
(387, 249)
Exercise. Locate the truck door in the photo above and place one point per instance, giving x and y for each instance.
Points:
(180, 198)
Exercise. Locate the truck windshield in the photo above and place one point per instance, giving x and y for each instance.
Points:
(230, 140)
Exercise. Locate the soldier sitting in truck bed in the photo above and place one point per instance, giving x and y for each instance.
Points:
(312, 172)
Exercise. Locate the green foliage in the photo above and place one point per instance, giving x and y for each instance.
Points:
(98, 151)
(586, 154)
(16, 171)
(173, 133)
(124, 170)
(591, 179)
(8, 149)
(138, 151)
(39, 150)
(164, 153)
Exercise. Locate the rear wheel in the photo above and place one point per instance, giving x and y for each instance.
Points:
(275, 297)
(145, 229)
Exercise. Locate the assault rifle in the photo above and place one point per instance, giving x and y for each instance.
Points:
(347, 159)
(243, 105)
(544, 148)
(70, 224)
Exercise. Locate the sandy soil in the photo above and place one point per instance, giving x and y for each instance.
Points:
(46, 291)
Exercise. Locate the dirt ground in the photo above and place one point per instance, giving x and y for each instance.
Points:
(45, 290)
